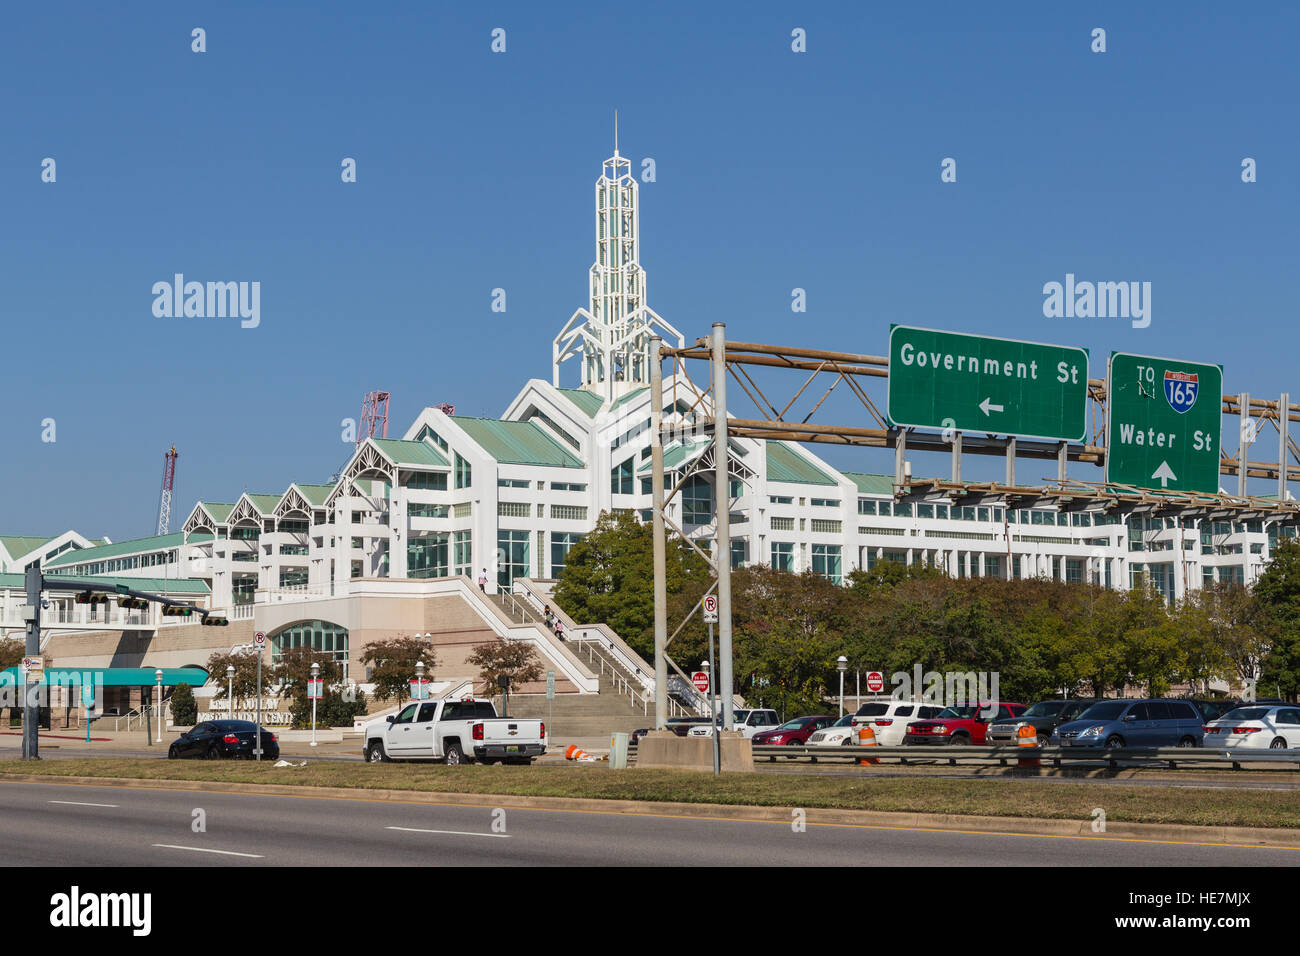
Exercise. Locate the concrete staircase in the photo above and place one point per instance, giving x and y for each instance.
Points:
(584, 715)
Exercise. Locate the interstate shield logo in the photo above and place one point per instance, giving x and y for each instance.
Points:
(1180, 390)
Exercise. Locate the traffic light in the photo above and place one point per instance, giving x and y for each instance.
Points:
(90, 597)
(215, 620)
(177, 610)
(132, 603)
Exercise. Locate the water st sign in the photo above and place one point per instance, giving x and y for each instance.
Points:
(978, 383)
(1164, 423)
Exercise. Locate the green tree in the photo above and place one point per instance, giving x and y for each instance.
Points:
(608, 578)
(185, 711)
(1278, 592)
(393, 665)
(245, 677)
(516, 660)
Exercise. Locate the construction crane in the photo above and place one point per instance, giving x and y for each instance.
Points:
(168, 481)
(374, 419)
(374, 416)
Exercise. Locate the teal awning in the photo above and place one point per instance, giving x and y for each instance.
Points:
(113, 676)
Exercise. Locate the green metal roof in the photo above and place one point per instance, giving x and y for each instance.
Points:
(264, 503)
(218, 510)
(783, 464)
(517, 443)
(872, 484)
(18, 545)
(154, 585)
(115, 676)
(411, 452)
(629, 397)
(316, 494)
(134, 546)
(588, 402)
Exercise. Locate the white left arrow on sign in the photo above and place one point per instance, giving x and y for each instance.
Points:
(987, 406)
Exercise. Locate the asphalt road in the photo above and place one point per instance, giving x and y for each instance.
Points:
(50, 824)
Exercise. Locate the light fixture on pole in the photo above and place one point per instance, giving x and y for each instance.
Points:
(842, 663)
(230, 693)
(419, 680)
(158, 676)
(315, 694)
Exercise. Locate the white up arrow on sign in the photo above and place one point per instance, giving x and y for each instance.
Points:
(1165, 474)
(987, 406)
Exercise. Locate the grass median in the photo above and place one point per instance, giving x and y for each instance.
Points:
(1002, 797)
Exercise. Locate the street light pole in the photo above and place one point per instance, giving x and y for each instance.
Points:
(315, 673)
(158, 675)
(230, 694)
(842, 663)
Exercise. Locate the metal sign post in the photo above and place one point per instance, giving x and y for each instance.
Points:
(31, 703)
(259, 642)
(713, 708)
(550, 701)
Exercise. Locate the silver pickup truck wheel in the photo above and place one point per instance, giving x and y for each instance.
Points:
(375, 753)
(455, 756)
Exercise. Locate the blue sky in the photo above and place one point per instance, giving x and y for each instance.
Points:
(775, 170)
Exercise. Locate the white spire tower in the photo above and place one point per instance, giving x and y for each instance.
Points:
(613, 333)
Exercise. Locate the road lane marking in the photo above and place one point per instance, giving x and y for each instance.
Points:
(77, 803)
(203, 849)
(452, 832)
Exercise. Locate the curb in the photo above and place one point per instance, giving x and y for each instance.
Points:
(868, 819)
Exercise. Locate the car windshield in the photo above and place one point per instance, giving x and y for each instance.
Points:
(845, 721)
(1106, 710)
(1045, 708)
(960, 713)
(796, 724)
(1246, 713)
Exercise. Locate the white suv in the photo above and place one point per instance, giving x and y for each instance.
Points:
(748, 722)
(889, 718)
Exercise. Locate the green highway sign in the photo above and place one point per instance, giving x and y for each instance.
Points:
(1163, 423)
(978, 383)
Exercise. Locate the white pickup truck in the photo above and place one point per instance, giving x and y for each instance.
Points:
(454, 731)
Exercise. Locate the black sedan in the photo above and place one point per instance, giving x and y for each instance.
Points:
(216, 739)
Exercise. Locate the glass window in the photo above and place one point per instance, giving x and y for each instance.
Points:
(427, 711)
(464, 474)
(512, 557)
(427, 554)
(697, 501)
(783, 555)
(407, 714)
(620, 478)
(826, 561)
(561, 543)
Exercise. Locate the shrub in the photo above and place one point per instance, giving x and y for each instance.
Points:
(185, 712)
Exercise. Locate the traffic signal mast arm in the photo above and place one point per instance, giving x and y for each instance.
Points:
(119, 591)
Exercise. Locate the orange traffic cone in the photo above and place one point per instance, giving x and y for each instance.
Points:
(1028, 738)
(575, 753)
(867, 738)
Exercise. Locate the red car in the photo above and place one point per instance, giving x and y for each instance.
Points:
(956, 726)
(795, 731)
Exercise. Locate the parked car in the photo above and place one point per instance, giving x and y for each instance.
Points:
(1215, 708)
(1045, 716)
(747, 721)
(959, 726)
(1271, 726)
(1134, 723)
(456, 732)
(636, 736)
(218, 739)
(681, 726)
(889, 718)
(842, 733)
(795, 731)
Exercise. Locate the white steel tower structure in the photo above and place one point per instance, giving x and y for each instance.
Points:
(612, 335)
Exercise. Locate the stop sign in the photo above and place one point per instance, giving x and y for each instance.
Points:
(875, 682)
(701, 681)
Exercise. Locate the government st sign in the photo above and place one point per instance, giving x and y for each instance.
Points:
(1163, 423)
(979, 383)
